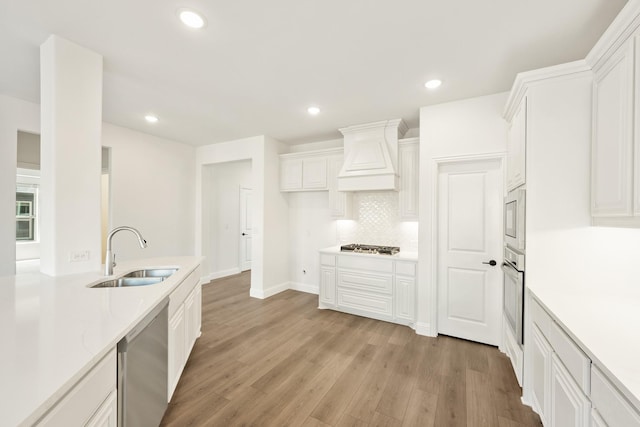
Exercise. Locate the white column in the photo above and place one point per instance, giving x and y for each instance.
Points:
(71, 118)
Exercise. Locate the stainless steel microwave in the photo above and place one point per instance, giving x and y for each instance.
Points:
(514, 220)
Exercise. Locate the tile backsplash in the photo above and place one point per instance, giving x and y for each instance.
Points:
(377, 222)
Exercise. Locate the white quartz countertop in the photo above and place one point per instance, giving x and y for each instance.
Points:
(605, 325)
(54, 329)
(400, 256)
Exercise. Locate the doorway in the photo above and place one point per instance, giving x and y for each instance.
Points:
(469, 279)
(226, 215)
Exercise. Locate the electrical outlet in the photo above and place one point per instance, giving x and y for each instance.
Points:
(79, 256)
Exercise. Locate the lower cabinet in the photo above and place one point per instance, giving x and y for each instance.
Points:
(185, 314)
(375, 286)
(327, 290)
(569, 406)
(91, 402)
(541, 362)
(567, 389)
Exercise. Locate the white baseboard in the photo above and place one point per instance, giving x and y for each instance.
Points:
(424, 329)
(220, 274)
(266, 293)
(304, 287)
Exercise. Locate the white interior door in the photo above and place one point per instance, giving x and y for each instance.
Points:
(245, 229)
(469, 237)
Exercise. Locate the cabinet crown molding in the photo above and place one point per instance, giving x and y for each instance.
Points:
(526, 79)
(314, 153)
(622, 27)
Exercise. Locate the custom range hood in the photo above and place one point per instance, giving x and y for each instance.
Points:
(371, 156)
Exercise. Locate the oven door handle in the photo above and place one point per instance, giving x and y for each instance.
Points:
(510, 270)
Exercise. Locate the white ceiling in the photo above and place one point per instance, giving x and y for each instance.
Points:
(258, 65)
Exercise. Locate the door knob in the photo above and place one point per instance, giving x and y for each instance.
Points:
(244, 234)
(491, 263)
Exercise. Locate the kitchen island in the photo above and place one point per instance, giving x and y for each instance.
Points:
(54, 330)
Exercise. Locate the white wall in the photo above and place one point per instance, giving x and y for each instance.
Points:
(152, 190)
(223, 181)
(310, 228)
(468, 127)
(269, 270)
(15, 115)
(71, 114)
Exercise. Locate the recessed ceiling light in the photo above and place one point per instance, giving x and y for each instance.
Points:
(151, 118)
(314, 111)
(191, 18)
(433, 84)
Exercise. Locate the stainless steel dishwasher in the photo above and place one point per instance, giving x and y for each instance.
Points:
(142, 371)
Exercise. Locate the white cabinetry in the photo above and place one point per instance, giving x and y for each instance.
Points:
(369, 285)
(409, 168)
(516, 147)
(185, 308)
(303, 171)
(612, 176)
(560, 373)
(91, 402)
(340, 202)
(541, 364)
(569, 406)
(609, 405)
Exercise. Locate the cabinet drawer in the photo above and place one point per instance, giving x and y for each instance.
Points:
(610, 404)
(380, 283)
(366, 303)
(86, 397)
(541, 318)
(183, 290)
(366, 263)
(406, 268)
(329, 260)
(576, 362)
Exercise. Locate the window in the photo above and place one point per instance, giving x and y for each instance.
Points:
(26, 212)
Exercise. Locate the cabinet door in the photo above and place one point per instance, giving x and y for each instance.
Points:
(409, 168)
(291, 175)
(107, 413)
(327, 286)
(314, 173)
(541, 375)
(192, 311)
(340, 202)
(177, 350)
(568, 406)
(612, 141)
(405, 298)
(516, 147)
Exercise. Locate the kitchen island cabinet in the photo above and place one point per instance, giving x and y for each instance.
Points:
(569, 386)
(381, 287)
(63, 337)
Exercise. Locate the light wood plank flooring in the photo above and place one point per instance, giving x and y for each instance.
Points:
(283, 362)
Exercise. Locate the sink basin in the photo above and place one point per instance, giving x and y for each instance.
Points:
(153, 272)
(124, 282)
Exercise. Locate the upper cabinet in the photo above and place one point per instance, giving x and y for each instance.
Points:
(304, 171)
(615, 137)
(516, 147)
(408, 167)
(613, 193)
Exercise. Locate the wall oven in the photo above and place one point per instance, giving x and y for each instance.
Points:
(513, 302)
(514, 220)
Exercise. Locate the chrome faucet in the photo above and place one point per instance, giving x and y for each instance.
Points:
(109, 261)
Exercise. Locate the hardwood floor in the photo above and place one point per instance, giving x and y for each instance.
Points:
(283, 362)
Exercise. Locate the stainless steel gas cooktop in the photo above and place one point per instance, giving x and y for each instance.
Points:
(370, 249)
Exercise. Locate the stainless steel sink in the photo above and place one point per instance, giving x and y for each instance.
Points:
(124, 282)
(153, 272)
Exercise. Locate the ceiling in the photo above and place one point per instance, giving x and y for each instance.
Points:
(257, 65)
